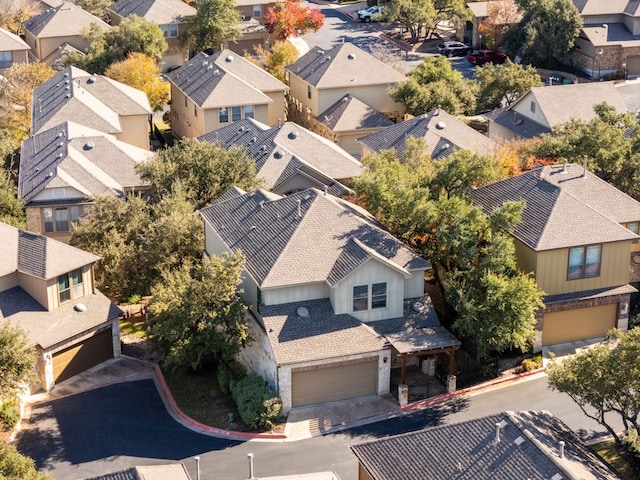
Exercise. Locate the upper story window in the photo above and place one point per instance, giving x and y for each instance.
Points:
(6, 59)
(361, 297)
(633, 227)
(249, 111)
(584, 262)
(70, 285)
(257, 11)
(236, 114)
(223, 115)
(59, 219)
(169, 31)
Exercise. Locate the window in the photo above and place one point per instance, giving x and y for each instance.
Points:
(633, 227)
(185, 101)
(257, 11)
(360, 298)
(70, 285)
(170, 30)
(533, 107)
(584, 262)
(379, 295)
(195, 110)
(223, 114)
(308, 91)
(249, 111)
(6, 59)
(62, 217)
(236, 114)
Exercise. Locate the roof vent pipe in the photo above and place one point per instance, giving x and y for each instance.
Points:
(497, 433)
(438, 110)
(564, 166)
(197, 459)
(279, 122)
(250, 457)
(584, 167)
(326, 190)
(561, 448)
(299, 208)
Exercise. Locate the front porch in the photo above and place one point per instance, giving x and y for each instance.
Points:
(420, 385)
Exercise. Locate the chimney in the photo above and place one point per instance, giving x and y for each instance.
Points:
(197, 459)
(326, 190)
(438, 110)
(497, 433)
(299, 209)
(250, 457)
(561, 449)
(584, 167)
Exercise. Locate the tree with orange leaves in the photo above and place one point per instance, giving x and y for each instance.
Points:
(500, 14)
(291, 18)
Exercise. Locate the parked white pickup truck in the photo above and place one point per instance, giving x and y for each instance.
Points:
(366, 14)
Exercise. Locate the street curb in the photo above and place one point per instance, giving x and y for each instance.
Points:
(202, 428)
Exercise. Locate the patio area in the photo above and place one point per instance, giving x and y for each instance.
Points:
(421, 386)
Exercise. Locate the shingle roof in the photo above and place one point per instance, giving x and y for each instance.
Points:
(282, 151)
(508, 11)
(527, 449)
(443, 133)
(224, 79)
(91, 100)
(598, 7)
(37, 255)
(563, 209)
(349, 113)
(158, 11)
(275, 235)
(343, 65)
(630, 93)
(521, 126)
(48, 328)
(10, 42)
(87, 160)
(62, 21)
(173, 471)
(319, 336)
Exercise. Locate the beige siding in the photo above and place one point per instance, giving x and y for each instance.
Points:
(276, 109)
(362, 473)
(371, 272)
(578, 324)
(17, 56)
(497, 132)
(297, 183)
(48, 45)
(298, 90)
(8, 281)
(376, 96)
(523, 107)
(135, 130)
(296, 293)
(52, 288)
(37, 288)
(348, 141)
(525, 256)
(551, 274)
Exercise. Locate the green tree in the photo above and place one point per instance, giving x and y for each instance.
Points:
(11, 209)
(14, 12)
(17, 360)
(142, 72)
(504, 84)
(453, 11)
(14, 465)
(546, 33)
(205, 171)
(434, 83)
(413, 14)
(274, 59)
(215, 23)
(133, 35)
(604, 380)
(610, 142)
(197, 314)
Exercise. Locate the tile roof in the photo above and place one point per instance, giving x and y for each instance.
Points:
(37, 255)
(64, 20)
(563, 209)
(275, 236)
(49, 328)
(343, 65)
(10, 42)
(87, 160)
(223, 79)
(349, 113)
(527, 449)
(319, 336)
(158, 11)
(92, 100)
(443, 133)
(282, 151)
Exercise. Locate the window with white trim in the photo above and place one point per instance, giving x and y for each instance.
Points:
(70, 286)
(249, 111)
(365, 298)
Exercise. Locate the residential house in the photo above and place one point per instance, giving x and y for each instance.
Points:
(170, 15)
(94, 101)
(212, 91)
(64, 168)
(578, 237)
(47, 288)
(542, 108)
(494, 16)
(12, 50)
(290, 158)
(443, 134)
(171, 471)
(508, 445)
(335, 300)
(253, 31)
(57, 26)
(256, 9)
(320, 78)
(347, 120)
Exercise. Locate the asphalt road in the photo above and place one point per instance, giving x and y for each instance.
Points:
(122, 425)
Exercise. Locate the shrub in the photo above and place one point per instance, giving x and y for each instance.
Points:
(9, 415)
(223, 379)
(529, 364)
(258, 405)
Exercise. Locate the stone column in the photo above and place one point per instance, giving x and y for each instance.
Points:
(429, 366)
(451, 383)
(403, 394)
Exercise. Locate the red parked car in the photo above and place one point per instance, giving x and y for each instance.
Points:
(480, 57)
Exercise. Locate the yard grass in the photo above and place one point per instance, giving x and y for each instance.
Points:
(607, 450)
(133, 326)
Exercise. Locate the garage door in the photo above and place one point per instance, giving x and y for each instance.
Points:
(330, 384)
(578, 324)
(82, 356)
(633, 65)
